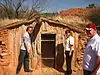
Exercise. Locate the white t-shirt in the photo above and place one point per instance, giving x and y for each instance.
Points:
(26, 40)
(69, 41)
(91, 52)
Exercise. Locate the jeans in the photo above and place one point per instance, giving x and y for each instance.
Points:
(87, 72)
(23, 59)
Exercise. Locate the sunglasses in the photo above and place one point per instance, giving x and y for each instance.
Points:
(88, 29)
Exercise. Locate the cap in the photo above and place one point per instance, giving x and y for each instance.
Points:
(89, 26)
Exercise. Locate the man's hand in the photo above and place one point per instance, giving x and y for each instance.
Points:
(70, 53)
(30, 51)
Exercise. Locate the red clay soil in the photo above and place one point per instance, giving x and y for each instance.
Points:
(81, 12)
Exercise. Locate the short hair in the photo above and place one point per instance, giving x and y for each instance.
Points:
(28, 28)
(67, 31)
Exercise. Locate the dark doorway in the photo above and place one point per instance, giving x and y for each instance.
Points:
(48, 49)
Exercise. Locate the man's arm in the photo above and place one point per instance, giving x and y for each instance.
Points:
(71, 44)
(97, 65)
(70, 49)
(27, 42)
(97, 62)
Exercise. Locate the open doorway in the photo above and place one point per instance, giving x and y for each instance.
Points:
(48, 49)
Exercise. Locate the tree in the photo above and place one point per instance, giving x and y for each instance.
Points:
(49, 14)
(91, 6)
(19, 8)
(94, 16)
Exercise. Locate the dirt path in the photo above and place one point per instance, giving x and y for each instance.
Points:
(43, 71)
(40, 71)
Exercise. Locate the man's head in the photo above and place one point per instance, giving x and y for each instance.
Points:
(67, 32)
(29, 29)
(90, 29)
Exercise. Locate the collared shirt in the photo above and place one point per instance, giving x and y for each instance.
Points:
(69, 41)
(91, 52)
(26, 42)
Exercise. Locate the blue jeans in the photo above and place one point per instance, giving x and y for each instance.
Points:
(86, 72)
(23, 59)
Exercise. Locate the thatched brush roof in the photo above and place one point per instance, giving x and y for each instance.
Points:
(40, 19)
(72, 27)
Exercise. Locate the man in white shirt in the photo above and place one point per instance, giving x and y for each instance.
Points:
(25, 49)
(69, 48)
(91, 59)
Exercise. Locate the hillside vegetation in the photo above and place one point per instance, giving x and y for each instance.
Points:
(85, 15)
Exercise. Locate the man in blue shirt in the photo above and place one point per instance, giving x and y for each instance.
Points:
(91, 60)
